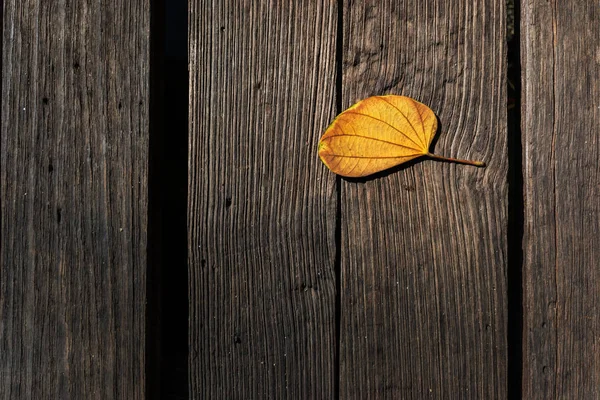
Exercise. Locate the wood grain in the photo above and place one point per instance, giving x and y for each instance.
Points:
(73, 189)
(262, 208)
(423, 248)
(560, 45)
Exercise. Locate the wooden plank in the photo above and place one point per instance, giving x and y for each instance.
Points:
(262, 207)
(560, 123)
(73, 188)
(423, 256)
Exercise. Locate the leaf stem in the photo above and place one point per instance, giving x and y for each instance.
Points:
(457, 160)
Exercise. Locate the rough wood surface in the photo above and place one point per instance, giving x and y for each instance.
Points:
(560, 44)
(423, 249)
(262, 207)
(74, 204)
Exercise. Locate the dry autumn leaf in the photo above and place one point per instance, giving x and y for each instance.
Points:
(378, 133)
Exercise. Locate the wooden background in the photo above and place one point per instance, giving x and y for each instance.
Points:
(300, 284)
(262, 209)
(75, 98)
(561, 141)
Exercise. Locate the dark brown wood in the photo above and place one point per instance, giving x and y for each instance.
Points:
(262, 207)
(560, 44)
(423, 248)
(74, 204)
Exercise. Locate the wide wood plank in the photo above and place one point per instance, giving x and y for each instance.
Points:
(560, 44)
(423, 248)
(74, 199)
(262, 207)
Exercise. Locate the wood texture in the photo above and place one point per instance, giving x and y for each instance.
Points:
(560, 123)
(423, 248)
(73, 189)
(262, 207)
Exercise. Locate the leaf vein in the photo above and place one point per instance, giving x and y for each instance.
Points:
(422, 122)
(371, 157)
(371, 138)
(405, 117)
(388, 124)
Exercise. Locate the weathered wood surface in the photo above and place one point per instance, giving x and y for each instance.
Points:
(561, 123)
(262, 207)
(73, 191)
(423, 249)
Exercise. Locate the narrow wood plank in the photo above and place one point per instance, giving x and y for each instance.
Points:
(262, 208)
(423, 258)
(560, 123)
(73, 189)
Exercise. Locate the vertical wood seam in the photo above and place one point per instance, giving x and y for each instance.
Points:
(339, 56)
(152, 367)
(516, 215)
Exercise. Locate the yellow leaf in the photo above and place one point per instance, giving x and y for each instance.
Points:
(378, 133)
